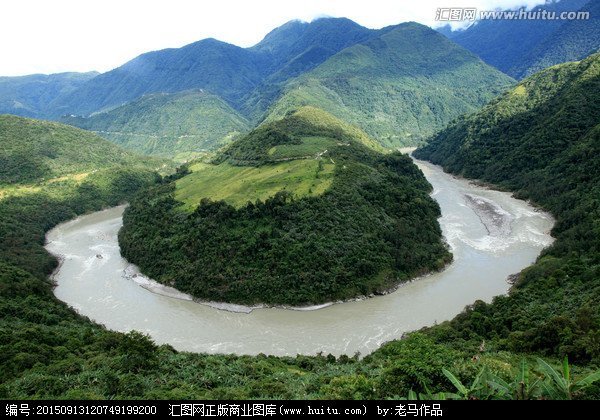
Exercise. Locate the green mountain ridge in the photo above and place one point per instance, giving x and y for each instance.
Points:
(169, 125)
(33, 95)
(521, 47)
(573, 41)
(287, 138)
(399, 86)
(226, 70)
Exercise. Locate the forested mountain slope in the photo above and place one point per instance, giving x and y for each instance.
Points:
(520, 47)
(168, 124)
(399, 86)
(541, 140)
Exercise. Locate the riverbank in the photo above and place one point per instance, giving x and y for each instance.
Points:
(99, 288)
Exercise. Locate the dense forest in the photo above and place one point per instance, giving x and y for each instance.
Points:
(542, 141)
(374, 227)
(47, 351)
(306, 208)
(170, 125)
(399, 86)
(521, 47)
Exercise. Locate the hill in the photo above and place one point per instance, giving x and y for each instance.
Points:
(399, 86)
(288, 154)
(34, 151)
(171, 125)
(542, 141)
(303, 132)
(521, 47)
(303, 213)
(34, 95)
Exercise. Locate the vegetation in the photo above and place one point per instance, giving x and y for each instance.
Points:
(350, 222)
(238, 185)
(542, 141)
(574, 40)
(304, 132)
(522, 47)
(225, 70)
(47, 351)
(169, 125)
(34, 95)
(35, 151)
(400, 86)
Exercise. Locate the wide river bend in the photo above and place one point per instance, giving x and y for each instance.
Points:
(492, 235)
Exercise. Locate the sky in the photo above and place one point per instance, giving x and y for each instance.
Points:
(52, 36)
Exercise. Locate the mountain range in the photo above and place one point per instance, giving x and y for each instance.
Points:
(399, 84)
(520, 47)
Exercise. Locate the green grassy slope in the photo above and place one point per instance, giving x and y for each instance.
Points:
(339, 222)
(286, 155)
(168, 124)
(34, 151)
(399, 86)
(541, 140)
(239, 185)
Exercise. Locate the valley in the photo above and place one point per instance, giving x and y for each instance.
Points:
(111, 291)
(334, 210)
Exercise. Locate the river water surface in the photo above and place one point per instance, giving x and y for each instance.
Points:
(492, 235)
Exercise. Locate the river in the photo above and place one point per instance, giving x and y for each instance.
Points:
(492, 235)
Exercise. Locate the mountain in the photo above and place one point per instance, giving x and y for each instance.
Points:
(223, 69)
(526, 129)
(167, 124)
(33, 95)
(399, 86)
(540, 140)
(296, 46)
(519, 47)
(299, 211)
(573, 41)
(36, 151)
(398, 83)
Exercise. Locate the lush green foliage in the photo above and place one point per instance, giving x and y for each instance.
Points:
(574, 40)
(223, 69)
(399, 86)
(282, 139)
(47, 351)
(35, 95)
(373, 228)
(541, 140)
(237, 185)
(168, 124)
(521, 47)
(34, 151)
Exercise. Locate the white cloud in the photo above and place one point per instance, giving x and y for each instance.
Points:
(41, 36)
